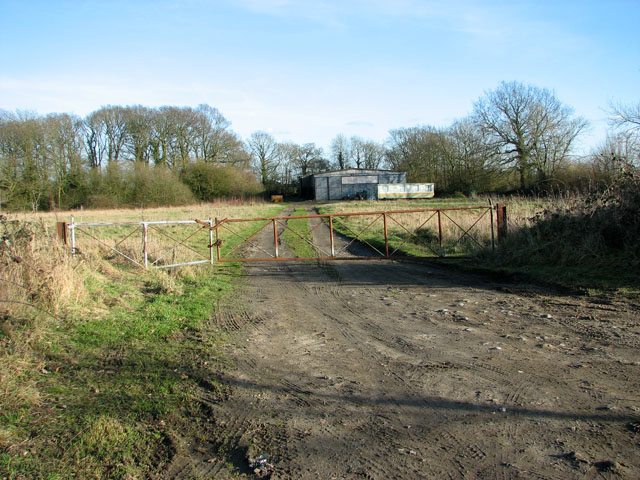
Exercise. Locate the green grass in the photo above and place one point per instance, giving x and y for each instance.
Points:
(114, 382)
(122, 373)
(297, 234)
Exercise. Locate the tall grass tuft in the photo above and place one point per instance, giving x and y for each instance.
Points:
(37, 283)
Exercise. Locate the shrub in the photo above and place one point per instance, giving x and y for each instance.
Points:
(209, 181)
(154, 186)
(599, 231)
(142, 185)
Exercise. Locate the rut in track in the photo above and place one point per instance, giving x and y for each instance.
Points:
(380, 370)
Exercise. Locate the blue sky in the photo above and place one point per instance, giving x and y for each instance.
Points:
(306, 71)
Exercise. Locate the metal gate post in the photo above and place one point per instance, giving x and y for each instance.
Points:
(386, 235)
(144, 245)
(210, 242)
(440, 233)
(333, 251)
(493, 238)
(275, 236)
(61, 230)
(217, 239)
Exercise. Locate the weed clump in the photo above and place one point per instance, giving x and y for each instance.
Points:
(37, 283)
(599, 231)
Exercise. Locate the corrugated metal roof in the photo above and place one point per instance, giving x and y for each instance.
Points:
(351, 171)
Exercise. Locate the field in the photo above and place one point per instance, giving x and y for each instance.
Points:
(329, 369)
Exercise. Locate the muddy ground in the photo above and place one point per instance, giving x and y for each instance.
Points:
(381, 370)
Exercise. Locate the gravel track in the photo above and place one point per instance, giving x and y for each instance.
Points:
(385, 370)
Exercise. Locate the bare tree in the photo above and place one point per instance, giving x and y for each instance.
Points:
(341, 152)
(618, 150)
(64, 143)
(210, 131)
(95, 140)
(175, 136)
(308, 159)
(139, 122)
(417, 151)
(626, 117)
(468, 158)
(112, 122)
(533, 129)
(265, 154)
(357, 151)
(163, 141)
(372, 153)
(25, 159)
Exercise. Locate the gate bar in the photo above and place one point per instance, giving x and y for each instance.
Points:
(351, 214)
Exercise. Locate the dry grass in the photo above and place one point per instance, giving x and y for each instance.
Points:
(38, 282)
(220, 210)
(589, 241)
(463, 231)
(166, 244)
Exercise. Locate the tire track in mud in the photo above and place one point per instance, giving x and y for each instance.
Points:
(354, 370)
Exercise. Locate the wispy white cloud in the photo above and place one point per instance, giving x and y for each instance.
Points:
(84, 95)
(358, 67)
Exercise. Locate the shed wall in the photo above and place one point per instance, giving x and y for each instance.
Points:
(321, 188)
(347, 183)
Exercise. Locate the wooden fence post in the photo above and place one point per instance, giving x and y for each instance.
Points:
(501, 220)
(61, 230)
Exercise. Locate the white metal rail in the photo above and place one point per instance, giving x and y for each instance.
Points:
(144, 228)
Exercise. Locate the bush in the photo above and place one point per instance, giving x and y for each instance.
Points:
(597, 232)
(209, 181)
(155, 186)
(142, 185)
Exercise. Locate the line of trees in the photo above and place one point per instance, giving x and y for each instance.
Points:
(518, 137)
(121, 155)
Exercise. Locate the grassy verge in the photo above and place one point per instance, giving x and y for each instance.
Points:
(102, 366)
(299, 246)
(111, 385)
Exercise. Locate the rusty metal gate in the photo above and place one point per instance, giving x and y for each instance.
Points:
(431, 232)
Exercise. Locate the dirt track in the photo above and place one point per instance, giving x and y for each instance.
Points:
(382, 370)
